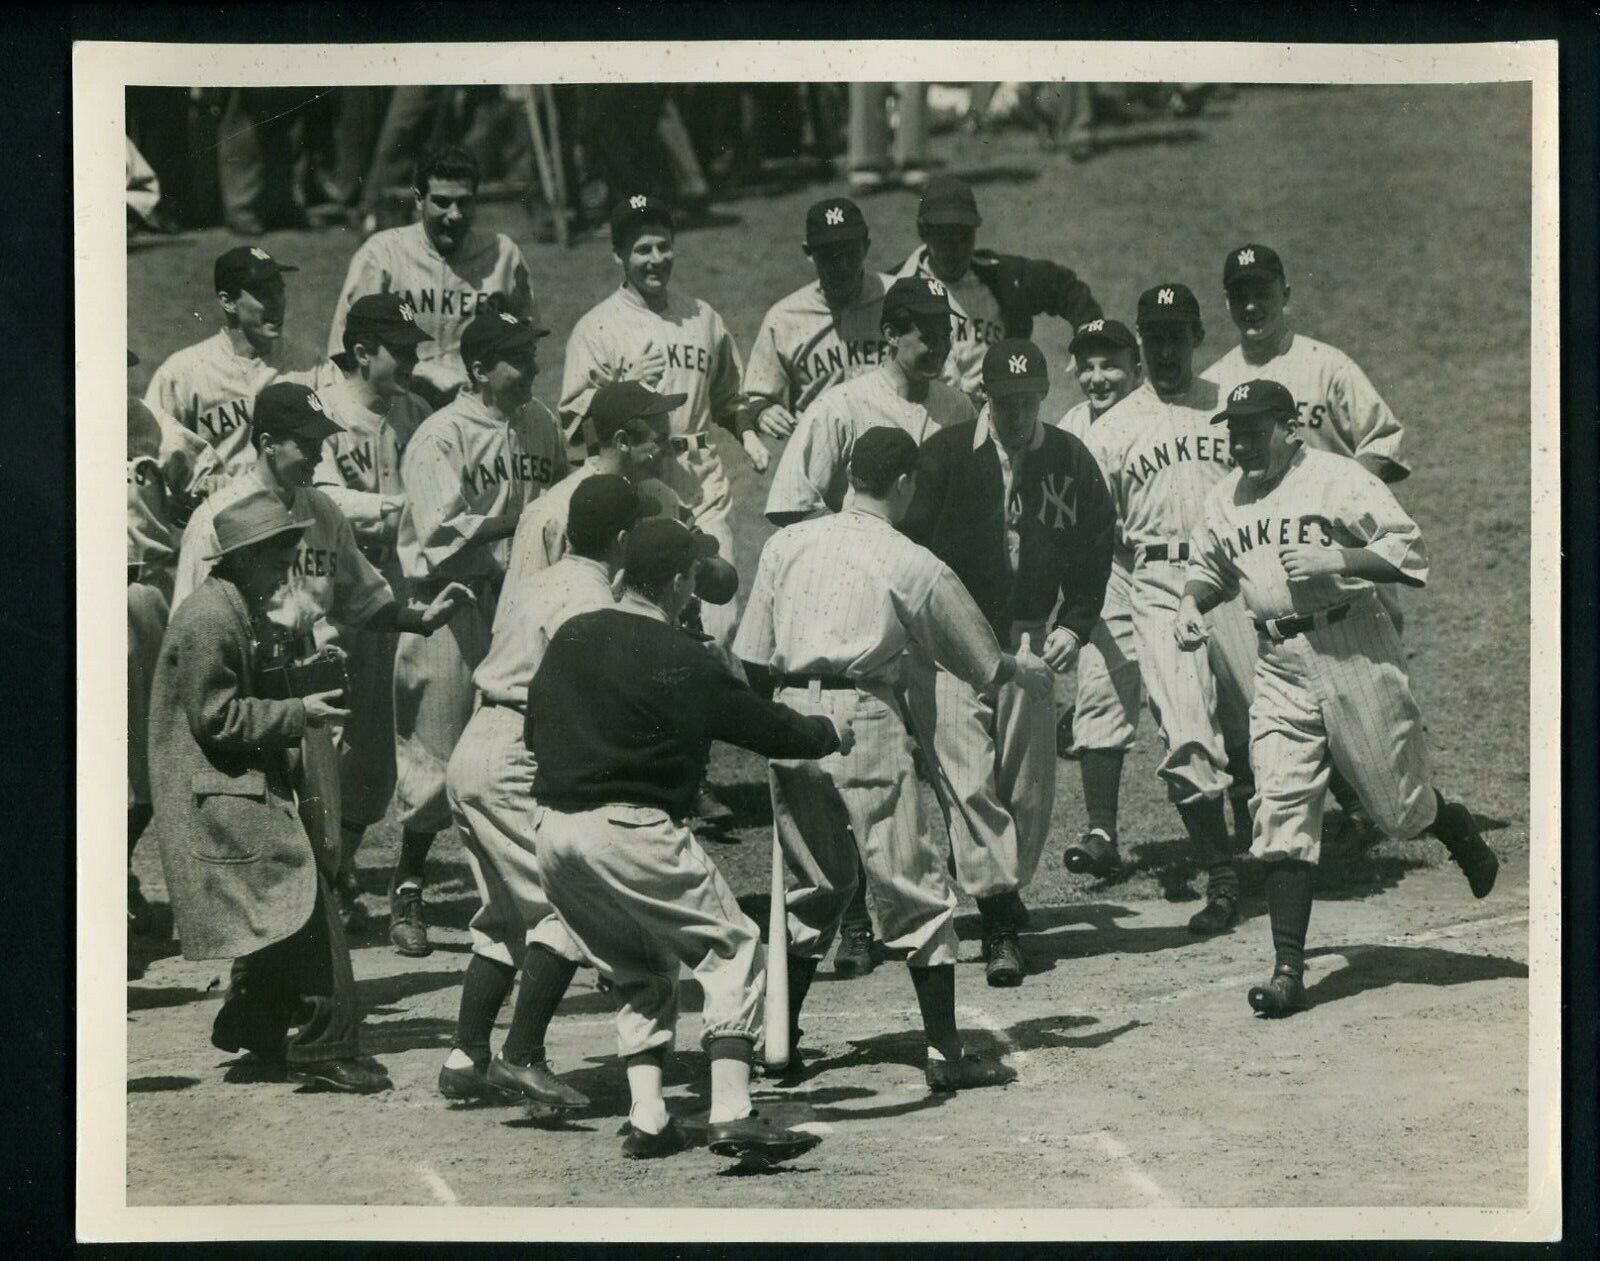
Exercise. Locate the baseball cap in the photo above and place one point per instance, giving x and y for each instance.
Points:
(291, 410)
(601, 507)
(1257, 398)
(916, 295)
(881, 455)
(948, 199)
(614, 404)
(243, 266)
(1251, 260)
(1168, 304)
(254, 519)
(495, 335)
(633, 213)
(386, 316)
(1014, 366)
(835, 219)
(658, 549)
(1113, 334)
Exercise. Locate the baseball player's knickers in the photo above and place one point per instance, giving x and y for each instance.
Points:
(433, 699)
(147, 620)
(1189, 692)
(366, 741)
(641, 897)
(1106, 706)
(490, 786)
(1336, 696)
(824, 810)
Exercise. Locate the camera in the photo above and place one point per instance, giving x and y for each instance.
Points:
(281, 675)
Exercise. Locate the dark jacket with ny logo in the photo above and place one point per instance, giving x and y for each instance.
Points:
(1060, 511)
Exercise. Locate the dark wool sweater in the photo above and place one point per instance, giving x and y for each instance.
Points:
(623, 710)
(1066, 526)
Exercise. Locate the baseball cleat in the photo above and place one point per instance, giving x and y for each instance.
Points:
(637, 1144)
(347, 898)
(970, 1072)
(1094, 854)
(471, 1085)
(757, 1141)
(854, 955)
(1005, 968)
(1468, 850)
(1220, 913)
(534, 1082)
(1283, 994)
(408, 932)
(357, 1075)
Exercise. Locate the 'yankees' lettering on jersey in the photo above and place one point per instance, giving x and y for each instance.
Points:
(1160, 458)
(1340, 410)
(444, 293)
(461, 468)
(975, 322)
(1324, 500)
(805, 346)
(210, 389)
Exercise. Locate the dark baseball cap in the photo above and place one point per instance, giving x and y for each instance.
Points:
(1014, 366)
(916, 295)
(290, 410)
(835, 219)
(614, 404)
(495, 335)
(634, 212)
(245, 265)
(1107, 334)
(602, 507)
(1168, 304)
(881, 455)
(1257, 398)
(386, 316)
(1251, 260)
(251, 520)
(948, 199)
(658, 549)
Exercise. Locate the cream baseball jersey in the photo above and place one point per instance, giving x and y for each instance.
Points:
(813, 471)
(1079, 420)
(210, 389)
(443, 292)
(1161, 457)
(804, 346)
(1324, 500)
(461, 468)
(539, 604)
(1340, 410)
(166, 465)
(331, 584)
(541, 537)
(974, 322)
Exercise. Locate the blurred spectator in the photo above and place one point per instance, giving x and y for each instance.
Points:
(256, 150)
(144, 190)
(159, 127)
(340, 133)
(871, 165)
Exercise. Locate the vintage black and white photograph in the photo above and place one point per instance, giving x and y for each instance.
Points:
(759, 640)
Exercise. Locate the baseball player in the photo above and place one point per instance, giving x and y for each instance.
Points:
(209, 388)
(443, 267)
(621, 715)
(1019, 511)
(823, 333)
(836, 602)
(468, 472)
(1304, 535)
(1160, 457)
(1104, 714)
(991, 295)
(675, 344)
(370, 399)
(490, 783)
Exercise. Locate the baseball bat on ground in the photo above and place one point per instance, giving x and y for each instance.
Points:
(777, 1012)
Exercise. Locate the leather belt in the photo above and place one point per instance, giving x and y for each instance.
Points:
(827, 682)
(1281, 628)
(519, 707)
(689, 442)
(1164, 551)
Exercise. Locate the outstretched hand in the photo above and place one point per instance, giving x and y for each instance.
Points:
(452, 599)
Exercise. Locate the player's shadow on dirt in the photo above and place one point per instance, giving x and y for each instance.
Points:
(1003, 173)
(376, 995)
(149, 998)
(412, 1033)
(1373, 967)
(155, 1085)
(1048, 1033)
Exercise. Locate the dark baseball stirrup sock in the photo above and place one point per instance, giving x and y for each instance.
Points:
(855, 915)
(1344, 793)
(801, 973)
(483, 994)
(1102, 786)
(545, 977)
(1289, 910)
(139, 816)
(1207, 824)
(936, 998)
(413, 861)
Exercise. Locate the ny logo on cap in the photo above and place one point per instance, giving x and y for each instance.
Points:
(507, 317)
(406, 313)
(1018, 365)
(1166, 297)
(834, 216)
(1240, 395)
(1246, 257)
(637, 201)
(314, 403)
(936, 289)
(257, 252)
(1093, 326)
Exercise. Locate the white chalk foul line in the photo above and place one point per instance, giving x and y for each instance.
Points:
(440, 1188)
(1459, 929)
(1135, 1177)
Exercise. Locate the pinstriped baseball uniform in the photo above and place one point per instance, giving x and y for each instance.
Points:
(444, 293)
(462, 467)
(360, 473)
(975, 322)
(844, 596)
(1160, 459)
(702, 361)
(210, 389)
(1106, 706)
(490, 777)
(813, 472)
(1338, 694)
(804, 346)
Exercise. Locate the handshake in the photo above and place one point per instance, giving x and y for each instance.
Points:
(1036, 673)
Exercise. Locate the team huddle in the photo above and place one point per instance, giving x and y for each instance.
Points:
(398, 580)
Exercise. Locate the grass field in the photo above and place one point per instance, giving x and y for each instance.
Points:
(1403, 216)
